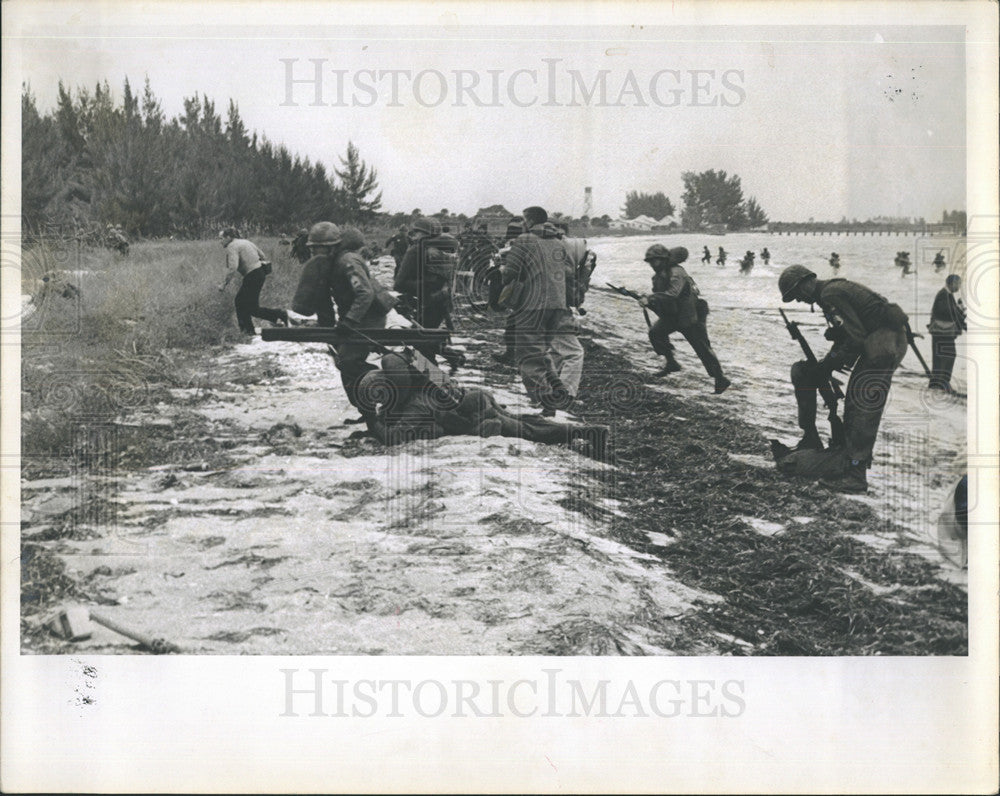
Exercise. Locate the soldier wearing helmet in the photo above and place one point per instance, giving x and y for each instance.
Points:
(515, 227)
(247, 260)
(397, 245)
(399, 405)
(679, 308)
(425, 276)
(869, 333)
(336, 283)
(534, 278)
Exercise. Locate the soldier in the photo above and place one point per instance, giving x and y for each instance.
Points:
(397, 246)
(869, 333)
(947, 323)
(514, 228)
(939, 263)
(337, 270)
(534, 278)
(117, 239)
(706, 255)
(247, 260)
(300, 251)
(400, 405)
(835, 261)
(679, 307)
(424, 278)
(746, 264)
(722, 257)
(765, 255)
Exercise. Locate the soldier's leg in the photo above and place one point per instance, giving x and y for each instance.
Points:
(567, 352)
(352, 359)
(805, 383)
(868, 390)
(659, 338)
(948, 356)
(275, 316)
(244, 303)
(430, 316)
(697, 336)
(509, 332)
(531, 352)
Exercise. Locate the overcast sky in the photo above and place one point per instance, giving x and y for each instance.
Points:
(819, 122)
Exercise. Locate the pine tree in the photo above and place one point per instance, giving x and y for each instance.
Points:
(358, 182)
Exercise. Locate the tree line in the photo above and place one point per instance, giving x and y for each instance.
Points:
(711, 198)
(93, 161)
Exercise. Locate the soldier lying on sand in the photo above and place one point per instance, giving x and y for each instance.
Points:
(400, 406)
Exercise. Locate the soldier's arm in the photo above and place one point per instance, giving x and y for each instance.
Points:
(232, 265)
(361, 286)
(312, 295)
(407, 280)
(513, 264)
(839, 301)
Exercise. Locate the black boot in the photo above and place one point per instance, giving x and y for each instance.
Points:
(853, 481)
(810, 441)
(721, 385)
(670, 366)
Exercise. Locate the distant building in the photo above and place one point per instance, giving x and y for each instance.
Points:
(642, 223)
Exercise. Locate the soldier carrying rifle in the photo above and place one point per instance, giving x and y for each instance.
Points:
(808, 378)
(868, 333)
(679, 307)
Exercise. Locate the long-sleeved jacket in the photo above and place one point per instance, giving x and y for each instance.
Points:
(858, 310)
(675, 294)
(243, 256)
(344, 277)
(539, 263)
(414, 278)
(947, 318)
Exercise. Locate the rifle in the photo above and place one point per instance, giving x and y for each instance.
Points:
(633, 295)
(829, 389)
(332, 335)
(910, 339)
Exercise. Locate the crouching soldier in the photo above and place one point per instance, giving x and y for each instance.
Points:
(680, 308)
(869, 333)
(400, 404)
(337, 271)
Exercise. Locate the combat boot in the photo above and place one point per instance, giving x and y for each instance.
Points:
(810, 441)
(853, 481)
(670, 366)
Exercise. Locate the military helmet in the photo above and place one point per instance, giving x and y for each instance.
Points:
(351, 240)
(428, 226)
(324, 233)
(791, 278)
(657, 252)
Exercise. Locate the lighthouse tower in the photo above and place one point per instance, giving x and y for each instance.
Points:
(588, 201)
